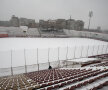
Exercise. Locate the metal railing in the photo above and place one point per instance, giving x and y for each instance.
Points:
(23, 61)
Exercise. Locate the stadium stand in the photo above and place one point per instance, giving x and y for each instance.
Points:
(67, 79)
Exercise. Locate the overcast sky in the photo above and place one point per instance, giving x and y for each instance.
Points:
(54, 9)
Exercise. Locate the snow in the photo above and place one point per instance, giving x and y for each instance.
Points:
(91, 85)
(75, 33)
(68, 48)
(32, 43)
(83, 59)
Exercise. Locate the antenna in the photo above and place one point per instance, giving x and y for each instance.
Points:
(70, 17)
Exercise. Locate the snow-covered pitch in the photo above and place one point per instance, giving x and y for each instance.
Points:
(14, 51)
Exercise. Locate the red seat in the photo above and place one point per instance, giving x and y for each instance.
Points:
(43, 85)
(56, 86)
(49, 88)
(55, 82)
(78, 85)
(72, 88)
(105, 83)
(66, 89)
(100, 86)
(68, 82)
(42, 89)
(94, 88)
(50, 83)
(62, 84)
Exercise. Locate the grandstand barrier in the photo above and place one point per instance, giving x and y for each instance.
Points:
(86, 34)
(35, 32)
(28, 60)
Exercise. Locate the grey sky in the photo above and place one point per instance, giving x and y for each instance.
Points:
(53, 9)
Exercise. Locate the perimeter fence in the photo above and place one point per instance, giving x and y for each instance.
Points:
(29, 60)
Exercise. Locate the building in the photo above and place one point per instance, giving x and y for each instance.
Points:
(23, 21)
(52, 24)
(43, 24)
(14, 21)
(27, 22)
(70, 24)
(60, 24)
(31, 23)
(79, 25)
(5, 23)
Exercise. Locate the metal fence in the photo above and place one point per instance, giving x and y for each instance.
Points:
(28, 60)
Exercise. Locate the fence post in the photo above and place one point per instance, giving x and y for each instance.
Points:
(58, 57)
(11, 64)
(98, 50)
(74, 52)
(81, 52)
(106, 49)
(93, 51)
(48, 56)
(102, 48)
(66, 56)
(87, 50)
(37, 59)
(25, 61)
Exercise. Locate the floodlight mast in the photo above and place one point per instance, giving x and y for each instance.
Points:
(90, 15)
(70, 23)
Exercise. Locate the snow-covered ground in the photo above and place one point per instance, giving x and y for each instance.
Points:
(83, 59)
(49, 49)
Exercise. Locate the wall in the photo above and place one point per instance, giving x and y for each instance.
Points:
(86, 34)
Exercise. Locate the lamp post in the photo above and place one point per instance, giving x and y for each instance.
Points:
(90, 15)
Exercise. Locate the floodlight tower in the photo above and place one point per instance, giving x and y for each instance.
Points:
(90, 15)
(70, 23)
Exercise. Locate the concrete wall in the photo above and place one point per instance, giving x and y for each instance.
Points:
(94, 35)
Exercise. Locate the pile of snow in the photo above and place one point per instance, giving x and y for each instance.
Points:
(83, 60)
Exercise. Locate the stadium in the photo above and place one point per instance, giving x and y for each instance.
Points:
(72, 60)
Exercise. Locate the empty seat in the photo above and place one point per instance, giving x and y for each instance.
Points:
(42, 89)
(100, 86)
(72, 88)
(62, 84)
(49, 88)
(43, 85)
(66, 89)
(56, 86)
